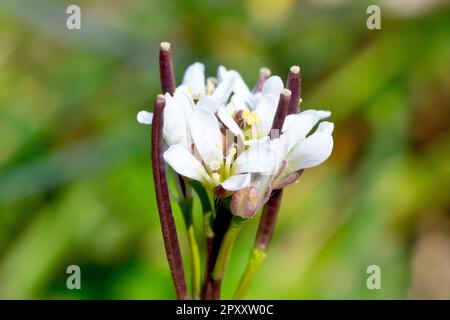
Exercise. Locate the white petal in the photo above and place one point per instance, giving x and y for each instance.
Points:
(273, 85)
(183, 162)
(241, 89)
(289, 120)
(206, 135)
(253, 142)
(266, 109)
(209, 103)
(224, 88)
(194, 79)
(237, 182)
(298, 126)
(221, 73)
(314, 150)
(185, 100)
(236, 104)
(257, 158)
(279, 149)
(326, 127)
(176, 126)
(228, 121)
(145, 117)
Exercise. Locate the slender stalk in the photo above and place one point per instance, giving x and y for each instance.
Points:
(293, 84)
(271, 208)
(207, 212)
(263, 237)
(186, 209)
(257, 258)
(168, 227)
(166, 68)
(185, 197)
(280, 114)
(225, 249)
(264, 74)
(211, 287)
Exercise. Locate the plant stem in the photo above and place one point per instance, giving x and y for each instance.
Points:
(225, 249)
(270, 211)
(211, 287)
(256, 260)
(263, 237)
(168, 227)
(294, 84)
(166, 68)
(186, 209)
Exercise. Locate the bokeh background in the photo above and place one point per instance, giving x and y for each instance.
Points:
(75, 177)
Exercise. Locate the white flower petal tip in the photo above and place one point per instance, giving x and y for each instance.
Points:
(322, 114)
(237, 182)
(145, 117)
(194, 79)
(273, 85)
(326, 127)
(314, 150)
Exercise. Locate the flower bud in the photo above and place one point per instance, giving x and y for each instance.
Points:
(245, 202)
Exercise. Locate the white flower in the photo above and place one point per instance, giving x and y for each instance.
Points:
(195, 85)
(256, 111)
(217, 90)
(212, 168)
(245, 159)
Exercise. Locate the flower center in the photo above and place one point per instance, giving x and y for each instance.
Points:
(214, 165)
(250, 117)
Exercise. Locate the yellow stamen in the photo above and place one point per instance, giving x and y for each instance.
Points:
(216, 178)
(251, 117)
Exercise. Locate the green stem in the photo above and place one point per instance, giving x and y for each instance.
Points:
(186, 208)
(207, 208)
(256, 260)
(226, 247)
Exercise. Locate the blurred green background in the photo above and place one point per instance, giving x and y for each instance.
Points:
(75, 176)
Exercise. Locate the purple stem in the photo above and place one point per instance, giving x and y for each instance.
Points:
(264, 74)
(166, 68)
(270, 211)
(293, 84)
(268, 220)
(211, 288)
(282, 109)
(168, 228)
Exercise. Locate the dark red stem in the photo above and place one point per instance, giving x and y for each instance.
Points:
(282, 109)
(211, 288)
(166, 68)
(168, 228)
(264, 74)
(293, 84)
(270, 211)
(268, 220)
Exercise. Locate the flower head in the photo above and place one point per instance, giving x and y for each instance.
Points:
(221, 133)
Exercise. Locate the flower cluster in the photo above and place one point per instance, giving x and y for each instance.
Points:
(224, 135)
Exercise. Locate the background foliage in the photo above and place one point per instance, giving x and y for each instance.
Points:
(75, 177)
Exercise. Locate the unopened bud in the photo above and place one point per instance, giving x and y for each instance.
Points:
(245, 202)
